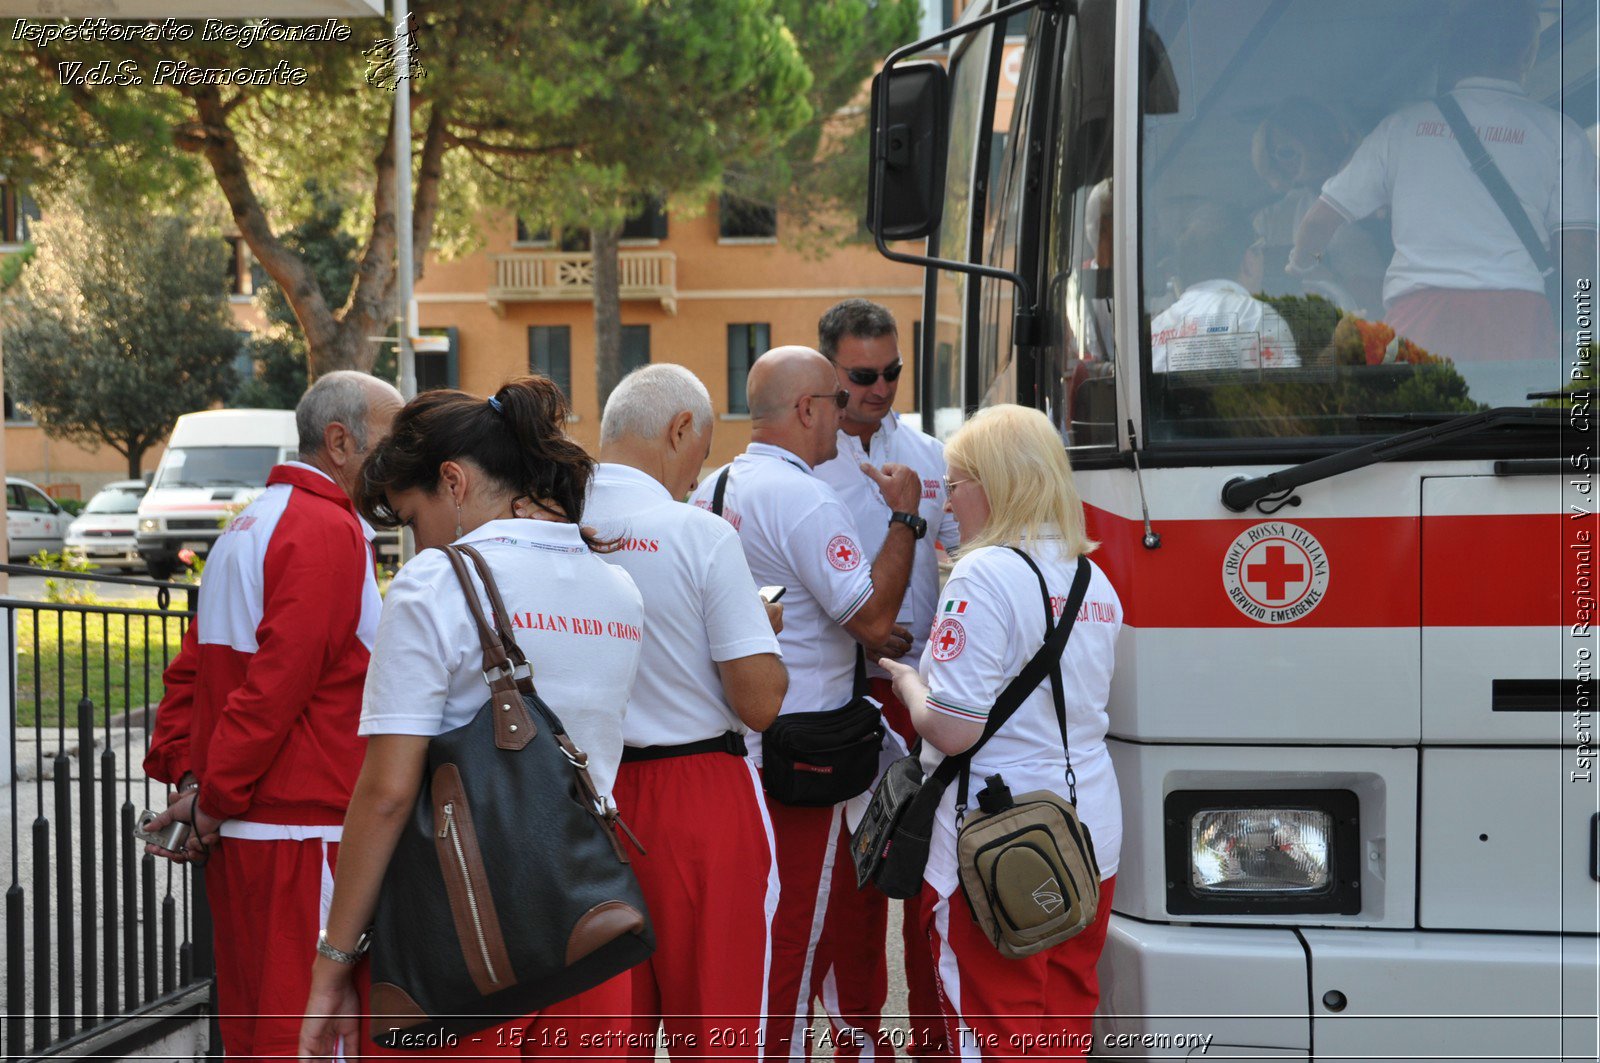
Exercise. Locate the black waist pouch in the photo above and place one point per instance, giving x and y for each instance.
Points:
(815, 759)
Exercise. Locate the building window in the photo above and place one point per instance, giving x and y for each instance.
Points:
(15, 412)
(440, 368)
(913, 358)
(635, 347)
(648, 223)
(241, 277)
(746, 343)
(744, 219)
(525, 235)
(16, 211)
(550, 354)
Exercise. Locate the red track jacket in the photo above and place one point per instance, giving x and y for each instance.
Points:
(263, 700)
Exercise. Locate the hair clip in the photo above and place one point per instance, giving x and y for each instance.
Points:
(495, 403)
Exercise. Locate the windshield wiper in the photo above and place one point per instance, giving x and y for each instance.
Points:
(1240, 493)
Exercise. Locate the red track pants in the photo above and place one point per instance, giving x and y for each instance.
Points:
(712, 888)
(851, 975)
(268, 900)
(995, 1008)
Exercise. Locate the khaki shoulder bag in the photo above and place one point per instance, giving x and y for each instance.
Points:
(1027, 863)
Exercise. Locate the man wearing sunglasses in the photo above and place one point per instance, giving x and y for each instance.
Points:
(862, 341)
(797, 534)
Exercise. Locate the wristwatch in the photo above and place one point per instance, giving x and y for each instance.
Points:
(338, 955)
(917, 524)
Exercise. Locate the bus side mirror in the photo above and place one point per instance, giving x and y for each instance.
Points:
(909, 141)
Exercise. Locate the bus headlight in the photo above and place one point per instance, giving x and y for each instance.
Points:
(1259, 850)
(1263, 851)
(150, 524)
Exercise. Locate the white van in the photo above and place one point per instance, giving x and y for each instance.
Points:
(216, 463)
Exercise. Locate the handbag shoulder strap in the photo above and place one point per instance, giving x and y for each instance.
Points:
(1033, 673)
(502, 616)
(1495, 182)
(721, 490)
(513, 726)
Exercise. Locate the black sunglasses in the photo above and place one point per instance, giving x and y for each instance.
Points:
(868, 377)
(841, 398)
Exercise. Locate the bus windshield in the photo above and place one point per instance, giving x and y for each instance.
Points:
(1319, 256)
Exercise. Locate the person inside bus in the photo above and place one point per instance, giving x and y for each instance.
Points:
(1010, 485)
(1462, 283)
(1297, 147)
(1216, 323)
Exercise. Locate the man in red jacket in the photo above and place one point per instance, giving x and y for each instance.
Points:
(258, 725)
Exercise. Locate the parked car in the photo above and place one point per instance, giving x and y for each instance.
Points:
(104, 532)
(34, 520)
(216, 462)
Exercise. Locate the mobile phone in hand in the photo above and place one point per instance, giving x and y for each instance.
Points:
(771, 595)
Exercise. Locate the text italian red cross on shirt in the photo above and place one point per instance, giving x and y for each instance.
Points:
(947, 640)
(843, 553)
(1276, 573)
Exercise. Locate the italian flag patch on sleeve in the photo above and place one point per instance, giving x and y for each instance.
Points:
(955, 606)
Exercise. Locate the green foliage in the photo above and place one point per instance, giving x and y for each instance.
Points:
(73, 506)
(279, 351)
(65, 591)
(119, 326)
(12, 265)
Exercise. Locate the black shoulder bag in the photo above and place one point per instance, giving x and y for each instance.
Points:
(1500, 189)
(508, 889)
(816, 759)
(890, 846)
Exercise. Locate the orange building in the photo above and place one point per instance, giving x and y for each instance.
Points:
(709, 292)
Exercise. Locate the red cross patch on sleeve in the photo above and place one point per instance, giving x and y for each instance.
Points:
(949, 638)
(843, 553)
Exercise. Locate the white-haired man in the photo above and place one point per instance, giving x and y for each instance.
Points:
(257, 727)
(710, 673)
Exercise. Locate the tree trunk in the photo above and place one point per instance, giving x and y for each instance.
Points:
(607, 309)
(135, 459)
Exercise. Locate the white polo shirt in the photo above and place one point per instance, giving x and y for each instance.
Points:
(1448, 231)
(700, 606)
(578, 620)
(990, 624)
(1217, 324)
(797, 534)
(896, 442)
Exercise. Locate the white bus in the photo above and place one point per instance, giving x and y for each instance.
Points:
(1349, 507)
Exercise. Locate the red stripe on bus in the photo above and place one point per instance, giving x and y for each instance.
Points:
(1472, 571)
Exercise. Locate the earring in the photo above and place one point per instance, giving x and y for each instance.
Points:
(459, 532)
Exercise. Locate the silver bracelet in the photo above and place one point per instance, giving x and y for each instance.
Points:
(338, 955)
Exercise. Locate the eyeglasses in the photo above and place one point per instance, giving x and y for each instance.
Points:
(867, 377)
(950, 485)
(841, 398)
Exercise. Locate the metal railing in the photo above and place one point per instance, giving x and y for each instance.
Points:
(103, 942)
(534, 276)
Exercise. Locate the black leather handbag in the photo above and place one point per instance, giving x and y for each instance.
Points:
(817, 759)
(890, 844)
(509, 889)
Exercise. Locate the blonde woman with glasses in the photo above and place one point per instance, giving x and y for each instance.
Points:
(1010, 488)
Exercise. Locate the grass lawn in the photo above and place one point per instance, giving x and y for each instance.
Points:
(114, 660)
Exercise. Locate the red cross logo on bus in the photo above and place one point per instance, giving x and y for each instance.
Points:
(1275, 572)
(949, 639)
(842, 553)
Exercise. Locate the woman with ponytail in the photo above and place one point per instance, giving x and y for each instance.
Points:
(502, 476)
